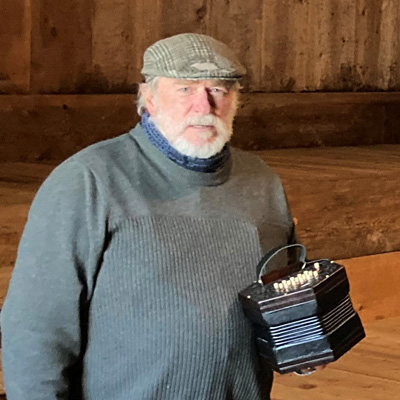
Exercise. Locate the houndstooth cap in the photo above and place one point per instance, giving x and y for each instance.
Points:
(191, 56)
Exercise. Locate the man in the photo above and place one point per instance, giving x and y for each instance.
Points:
(135, 250)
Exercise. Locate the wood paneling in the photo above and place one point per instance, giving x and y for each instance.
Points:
(96, 46)
(183, 16)
(346, 200)
(61, 45)
(15, 44)
(283, 120)
(388, 68)
(52, 127)
(239, 24)
(330, 45)
(121, 30)
(49, 128)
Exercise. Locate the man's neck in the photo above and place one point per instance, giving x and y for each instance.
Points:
(207, 165)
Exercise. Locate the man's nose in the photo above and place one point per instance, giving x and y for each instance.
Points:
(203, 103)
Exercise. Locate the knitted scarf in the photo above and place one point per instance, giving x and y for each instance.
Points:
(155, 137)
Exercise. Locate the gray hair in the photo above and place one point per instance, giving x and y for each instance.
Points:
(151, 82)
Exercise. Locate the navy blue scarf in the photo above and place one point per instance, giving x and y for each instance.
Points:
(211, 164)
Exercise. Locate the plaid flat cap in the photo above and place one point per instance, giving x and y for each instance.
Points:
(191, 56)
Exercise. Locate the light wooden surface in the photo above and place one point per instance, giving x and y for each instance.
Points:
(346, 200)
(369, 371)
(374, 285)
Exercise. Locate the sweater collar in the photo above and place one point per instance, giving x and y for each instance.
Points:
(207, 165)
(174, 173)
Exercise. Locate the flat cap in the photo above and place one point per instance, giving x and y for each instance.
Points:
(191, 56)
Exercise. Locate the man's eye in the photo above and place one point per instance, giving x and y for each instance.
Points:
(218, 90)
(184, 89)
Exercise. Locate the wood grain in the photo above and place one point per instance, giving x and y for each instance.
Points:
(15, 45)
(346, 199)
(61, 45)
(282, 120)
(239, 24)
(96, 46)
(52, 127)
(121, 32)
(374, 282)
(182, 17)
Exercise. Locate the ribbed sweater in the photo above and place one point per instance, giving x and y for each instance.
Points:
(127, 278)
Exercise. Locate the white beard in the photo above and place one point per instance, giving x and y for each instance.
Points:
(175, 133)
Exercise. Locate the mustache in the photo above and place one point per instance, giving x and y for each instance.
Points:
(203, 120)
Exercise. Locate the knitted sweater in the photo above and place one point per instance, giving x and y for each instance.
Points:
(127, 278)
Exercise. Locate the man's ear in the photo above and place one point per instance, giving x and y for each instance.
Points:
(148, 97)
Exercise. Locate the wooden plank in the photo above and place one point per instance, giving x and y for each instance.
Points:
(15, 32)
(112, 46)
(334, 384)
(316, 119)
(305, 45)
(339, 47)
(35, 128)
(330, 46)
(346, 199)
(184, 16)
(118, 50)
(241, 36)
(292, 45)
(388, 63)
(96, 46)
(299, 125)
(53, 127)
(374, 282)
(61, 46)
(275, 34)
(148, 21)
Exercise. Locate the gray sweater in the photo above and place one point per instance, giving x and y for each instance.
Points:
(127, 277)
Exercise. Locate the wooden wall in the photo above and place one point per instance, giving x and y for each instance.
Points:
(96, 46)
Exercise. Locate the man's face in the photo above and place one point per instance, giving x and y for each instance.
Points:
(196, 117)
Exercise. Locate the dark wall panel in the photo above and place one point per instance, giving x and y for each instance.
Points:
(61, 45)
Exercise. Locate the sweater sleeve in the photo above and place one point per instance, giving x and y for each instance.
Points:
(43, 318)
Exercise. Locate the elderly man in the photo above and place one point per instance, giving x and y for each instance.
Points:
(135, 249)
